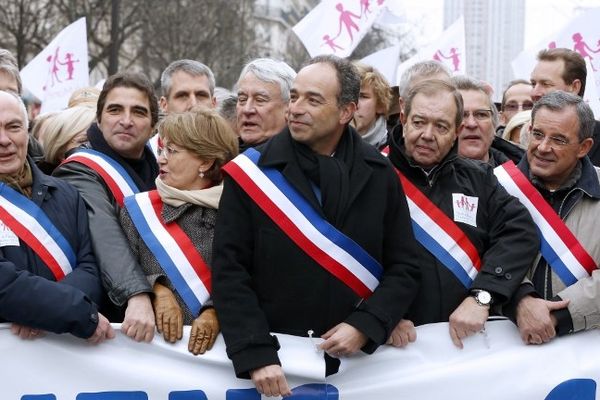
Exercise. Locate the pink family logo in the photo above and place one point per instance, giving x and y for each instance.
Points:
(581, 46)
(61, 67)
(348, 23)
(465, 204)
(453, 55)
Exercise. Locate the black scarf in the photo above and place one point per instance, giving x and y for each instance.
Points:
(331, 174)
(143, 171)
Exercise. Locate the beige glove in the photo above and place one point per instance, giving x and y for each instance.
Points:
(204, 332)
(169, 317)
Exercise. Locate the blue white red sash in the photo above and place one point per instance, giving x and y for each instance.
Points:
(440, 235)
(330, 248)
(560, 248)
(31, 224)
(114, 175)
(172, 248)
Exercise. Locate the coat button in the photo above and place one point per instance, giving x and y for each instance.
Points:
(498, 270)
(508, 275)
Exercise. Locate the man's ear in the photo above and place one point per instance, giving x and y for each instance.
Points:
(585, 147)
(162, 102)
(576, 85)
(347, 112)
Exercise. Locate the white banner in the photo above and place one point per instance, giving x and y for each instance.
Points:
(492, 366)
(337, 26)
(60, 68)
(385, 61)
(449, 49)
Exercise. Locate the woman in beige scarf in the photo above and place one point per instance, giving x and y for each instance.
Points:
(195, 145)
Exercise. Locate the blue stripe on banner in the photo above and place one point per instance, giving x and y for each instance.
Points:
(319, 223)
(122, 171)
(163, 258)
(40, 216)
(557, 264)
(441, 254)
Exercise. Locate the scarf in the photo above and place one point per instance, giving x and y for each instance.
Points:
(377, 133)
(21, 181)
(208, 197)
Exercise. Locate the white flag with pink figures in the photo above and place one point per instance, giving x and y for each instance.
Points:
(337, 26)
(60, 68)
(581, 34)
(449, 49)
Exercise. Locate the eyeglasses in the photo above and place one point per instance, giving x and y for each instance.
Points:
(167, 151)
(555, 141)
(479, 115)
(514, 106)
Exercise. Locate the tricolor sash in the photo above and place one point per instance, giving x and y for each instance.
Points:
(440, 235)
(172, 248)
(31, 224)
(326, 245)
(114, 175)
(559, 247)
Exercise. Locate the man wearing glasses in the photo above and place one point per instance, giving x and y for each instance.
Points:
(477, 241)
(516, 98)
(563, 286)
(477, 140)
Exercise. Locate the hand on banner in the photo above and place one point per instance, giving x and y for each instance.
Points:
(139, 318)
(204, 332)
(468, 319)
(169, 316)
(343, 340)
(535, 321)
(103, 331)
(270, 381)
(403, 334)
(24, 332)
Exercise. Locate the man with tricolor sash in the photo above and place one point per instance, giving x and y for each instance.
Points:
(114, 164)
(313, 235)
(560, 187)
(477, 241)
(49, 280)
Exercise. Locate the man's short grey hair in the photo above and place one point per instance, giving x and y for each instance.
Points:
(21, 107)
(463, 82)
(8, 65)
(271, 71)
(422, 69)
(191, 67)
(559, 101)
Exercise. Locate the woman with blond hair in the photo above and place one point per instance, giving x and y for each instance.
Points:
(170, 230)
(65, 131)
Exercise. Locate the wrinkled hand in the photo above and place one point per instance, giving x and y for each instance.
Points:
(103, 331)
(139, 318)
(204, 332)
(270, 381)
(25, 332)
(468, 319)
(403, 334)
(536, 323)
(343, 340)
(169, 316)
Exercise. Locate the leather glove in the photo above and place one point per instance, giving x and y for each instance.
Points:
(169, 316)
(204, 332)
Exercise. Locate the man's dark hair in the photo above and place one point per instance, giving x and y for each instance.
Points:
(574, 65)
(348, 77)
(133, 80)
(431, 87)
(558, 101)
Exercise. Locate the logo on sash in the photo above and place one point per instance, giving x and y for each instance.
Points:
(440, 235)
(330, 248)
(114, 175)
(559, 247)
(172, 248)
(31, 224)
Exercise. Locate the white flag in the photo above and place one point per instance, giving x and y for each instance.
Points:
(60, 68)
(581, 34)
(385, 61)
(337, 26)
(591, 90)
(448, 49)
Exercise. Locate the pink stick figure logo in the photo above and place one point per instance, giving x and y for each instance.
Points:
(346, 19)
(580, 46)
(56, 66)
(454, 56)
(331, 43)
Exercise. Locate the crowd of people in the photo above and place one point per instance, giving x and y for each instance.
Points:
(319, 202)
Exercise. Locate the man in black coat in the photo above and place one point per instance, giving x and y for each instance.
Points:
(266, 281)
(484, 221)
